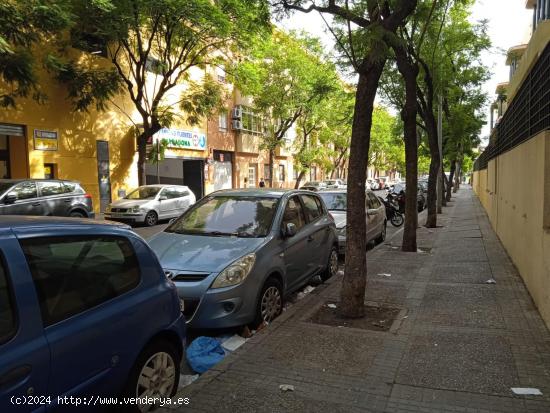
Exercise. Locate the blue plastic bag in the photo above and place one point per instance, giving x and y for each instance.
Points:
(203, 353)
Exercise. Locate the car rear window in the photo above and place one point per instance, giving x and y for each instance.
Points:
(73, 274)
(312, 207)
(72, 187)
(8, 322)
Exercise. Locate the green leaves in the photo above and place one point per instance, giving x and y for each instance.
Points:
(201, 100)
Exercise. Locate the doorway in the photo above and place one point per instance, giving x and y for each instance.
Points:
(193, 176)
(103, 174)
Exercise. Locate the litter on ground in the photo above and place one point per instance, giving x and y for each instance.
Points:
(233, 342)
(383, 274)
(526, 391)
(187, 379)
(490, 281)
(286, 387)
(331, 305)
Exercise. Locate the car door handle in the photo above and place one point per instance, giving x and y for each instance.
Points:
(36, 204)
(68, 201)
(14, 375)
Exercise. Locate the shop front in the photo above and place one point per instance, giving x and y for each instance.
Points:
(185, 161)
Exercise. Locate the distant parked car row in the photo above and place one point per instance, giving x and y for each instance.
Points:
(326, 184)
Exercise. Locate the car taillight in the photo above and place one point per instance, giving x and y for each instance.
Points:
(87, 196)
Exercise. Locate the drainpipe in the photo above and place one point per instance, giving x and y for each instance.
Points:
(547, 11)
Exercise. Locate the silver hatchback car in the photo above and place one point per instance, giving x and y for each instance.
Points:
(150, 203)
(236, 253)
(336, 200)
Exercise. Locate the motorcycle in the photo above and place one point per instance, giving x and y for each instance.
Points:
(392, 211)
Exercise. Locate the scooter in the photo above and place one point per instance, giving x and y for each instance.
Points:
(392, 212)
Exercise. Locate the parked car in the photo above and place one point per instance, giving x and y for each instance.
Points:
(85, 311)
(50, 197)
(314, 186)
(375, 184)
(336, 202)
(335, 183)
(150, 203)
(236, 254)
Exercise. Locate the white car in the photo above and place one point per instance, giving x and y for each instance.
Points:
(335, 183)
(150, 203)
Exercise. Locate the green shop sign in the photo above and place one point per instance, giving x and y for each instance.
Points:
(177, 138)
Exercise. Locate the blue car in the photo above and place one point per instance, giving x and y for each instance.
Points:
(236, 254)
(85, 311)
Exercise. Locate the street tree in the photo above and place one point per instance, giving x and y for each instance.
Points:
(25, 24)
(362, 31)
(152, 47)
(288, 79)
(323, 134)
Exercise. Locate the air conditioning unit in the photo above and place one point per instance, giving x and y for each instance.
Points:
(237, 112)
(236, 124)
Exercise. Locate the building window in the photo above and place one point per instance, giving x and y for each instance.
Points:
(267, 172)
(153, 65)
(251, 177)
(220, 71)
(294, 173)
(281, 173)
(222, 119)
(251, 121)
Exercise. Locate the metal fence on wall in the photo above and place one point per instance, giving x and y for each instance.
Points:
(527, 115)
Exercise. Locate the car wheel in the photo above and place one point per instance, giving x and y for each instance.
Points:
(270, 303)
(151, 218)
(155, 373)
(382, 236)
(76, 214)
(332, 265)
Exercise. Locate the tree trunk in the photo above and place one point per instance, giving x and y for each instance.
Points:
(457, 176)
(426, 100)
(300, 177)
(142, 157)
(352, 294)
(409, 71)
(450, 181)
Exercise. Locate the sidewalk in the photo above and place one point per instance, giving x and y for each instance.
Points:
(457, 345)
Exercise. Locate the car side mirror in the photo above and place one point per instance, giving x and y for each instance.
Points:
(163, 198)
(290, 230)
(10, 199)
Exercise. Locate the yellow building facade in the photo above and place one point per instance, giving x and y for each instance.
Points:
(512, 176)
(98, 148)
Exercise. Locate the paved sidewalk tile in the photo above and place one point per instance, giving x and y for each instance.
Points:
(458, 345)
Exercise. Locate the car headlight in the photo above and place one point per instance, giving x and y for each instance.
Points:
(136, 209)
(236, 272)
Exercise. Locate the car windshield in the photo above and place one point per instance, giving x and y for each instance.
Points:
(242, 216)
(335, 201)
(143, 192)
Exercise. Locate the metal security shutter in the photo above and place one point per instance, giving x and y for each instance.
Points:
(12, 130)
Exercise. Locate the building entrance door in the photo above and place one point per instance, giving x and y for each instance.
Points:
(193, 176)
(103, 174)
(4, 157)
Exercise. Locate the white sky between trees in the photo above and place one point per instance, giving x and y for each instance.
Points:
(509, 25)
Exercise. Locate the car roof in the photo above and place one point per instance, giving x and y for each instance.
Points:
(339, 191)
(259, 192)
(21, 221)
(16, 181)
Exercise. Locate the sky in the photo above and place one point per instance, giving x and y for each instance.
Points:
(509, 24)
